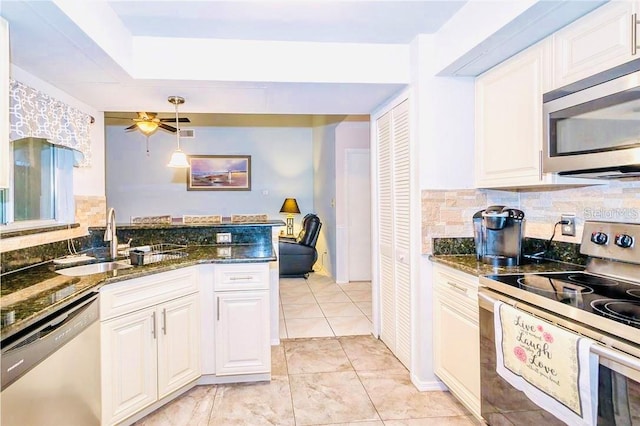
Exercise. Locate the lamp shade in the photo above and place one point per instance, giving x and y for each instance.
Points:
(178, 160)
(290, 205)
(147, 127)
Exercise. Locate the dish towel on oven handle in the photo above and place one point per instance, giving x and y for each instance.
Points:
(552, 366)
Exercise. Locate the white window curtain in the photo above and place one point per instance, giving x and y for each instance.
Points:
(35, 114)
(65, 201)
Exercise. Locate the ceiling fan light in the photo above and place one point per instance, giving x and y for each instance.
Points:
(178, 160)
(147, 127)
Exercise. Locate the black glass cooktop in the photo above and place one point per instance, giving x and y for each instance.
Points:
(614, 299)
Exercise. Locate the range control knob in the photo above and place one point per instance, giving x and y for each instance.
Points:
(624, 240)
(599, 238)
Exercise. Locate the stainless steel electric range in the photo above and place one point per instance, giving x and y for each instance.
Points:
(601, 302)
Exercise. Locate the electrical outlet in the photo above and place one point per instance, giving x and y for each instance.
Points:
(223, 237)
(568, 229)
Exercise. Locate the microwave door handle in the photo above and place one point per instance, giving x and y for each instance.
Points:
(634, 34)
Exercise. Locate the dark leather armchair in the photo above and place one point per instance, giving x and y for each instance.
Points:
(298, 255)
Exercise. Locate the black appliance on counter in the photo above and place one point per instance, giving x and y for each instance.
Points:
(602, 303)
(497, 231)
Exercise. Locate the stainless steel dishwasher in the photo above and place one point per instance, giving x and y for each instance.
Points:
(51, 370)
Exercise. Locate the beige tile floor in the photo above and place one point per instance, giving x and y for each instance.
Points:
(318, 307)
(352, 380)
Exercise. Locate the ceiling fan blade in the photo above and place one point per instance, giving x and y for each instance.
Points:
(173, 120)
(165, 127)
(133, 126)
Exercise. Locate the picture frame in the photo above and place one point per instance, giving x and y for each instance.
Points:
(219, 173)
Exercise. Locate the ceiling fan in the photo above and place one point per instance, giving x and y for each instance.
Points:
(148, 122)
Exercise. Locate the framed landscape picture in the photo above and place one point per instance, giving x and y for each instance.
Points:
(219, 173)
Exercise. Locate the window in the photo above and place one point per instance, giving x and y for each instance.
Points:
(41, 189)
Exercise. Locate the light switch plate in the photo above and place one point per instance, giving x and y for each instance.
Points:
(223, 237)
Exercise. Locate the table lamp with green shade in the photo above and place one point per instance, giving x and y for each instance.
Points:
(290, 207)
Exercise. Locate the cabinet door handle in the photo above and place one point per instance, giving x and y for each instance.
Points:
(164, 321)
(457, 287)
(540, 165)
(153, 324)
(247, 278)
(634, 34)
(218, 308)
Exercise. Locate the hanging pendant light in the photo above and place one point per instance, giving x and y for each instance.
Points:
(178, 158)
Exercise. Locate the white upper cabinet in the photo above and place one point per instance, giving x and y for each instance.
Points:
(596, 42)
(508, 121)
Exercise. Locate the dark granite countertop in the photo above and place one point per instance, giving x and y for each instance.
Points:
(31, 294)
(468, 263)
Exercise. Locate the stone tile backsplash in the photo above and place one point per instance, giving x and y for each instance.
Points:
(448, 213)
(91, 210)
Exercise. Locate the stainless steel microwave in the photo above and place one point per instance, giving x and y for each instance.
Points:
(592, 127)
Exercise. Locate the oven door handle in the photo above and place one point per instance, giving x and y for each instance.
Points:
(598, 348)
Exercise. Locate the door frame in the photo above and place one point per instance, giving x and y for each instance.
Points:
(343, 274)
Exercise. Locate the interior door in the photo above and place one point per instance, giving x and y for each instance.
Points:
(358, 182)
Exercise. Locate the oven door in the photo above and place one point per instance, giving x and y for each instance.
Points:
(502, 404)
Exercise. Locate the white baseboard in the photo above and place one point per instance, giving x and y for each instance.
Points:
(212, 379)
(428, 386)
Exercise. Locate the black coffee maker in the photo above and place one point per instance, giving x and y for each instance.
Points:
(498, 235)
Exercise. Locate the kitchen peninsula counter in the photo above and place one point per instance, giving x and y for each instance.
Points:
(31, 294)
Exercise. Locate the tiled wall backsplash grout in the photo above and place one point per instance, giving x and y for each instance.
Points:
(448, 213)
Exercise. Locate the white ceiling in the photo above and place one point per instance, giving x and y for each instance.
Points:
(312, 21)
(54, 41)
(48, 44)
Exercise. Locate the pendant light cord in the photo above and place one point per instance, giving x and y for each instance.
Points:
(177, 125)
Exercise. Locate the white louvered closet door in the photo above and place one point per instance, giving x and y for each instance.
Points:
(394, 192)
(385, 233)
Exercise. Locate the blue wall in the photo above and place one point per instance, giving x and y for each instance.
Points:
(140, 184)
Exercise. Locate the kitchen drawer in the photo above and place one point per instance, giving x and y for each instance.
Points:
(250, 276)
(138, 293)
(457, 285)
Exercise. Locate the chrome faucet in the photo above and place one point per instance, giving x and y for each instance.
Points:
(110, 233)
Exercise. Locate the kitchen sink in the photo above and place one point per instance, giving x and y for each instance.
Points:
(93, 268)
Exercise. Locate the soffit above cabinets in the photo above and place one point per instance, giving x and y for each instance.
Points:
(537, 22)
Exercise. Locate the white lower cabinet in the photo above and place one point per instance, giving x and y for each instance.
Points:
(242, 333)
(178, 343)
(152, 351)
(456, 338)
(242, 340)
(129, 379)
